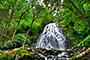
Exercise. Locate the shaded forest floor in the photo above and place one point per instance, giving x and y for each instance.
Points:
(29, 54)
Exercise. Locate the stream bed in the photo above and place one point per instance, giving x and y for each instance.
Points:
(52, 37)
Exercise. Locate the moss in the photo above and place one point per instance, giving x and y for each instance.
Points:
(4, 57)
(16, 50)
(23, 54)
(7, 56)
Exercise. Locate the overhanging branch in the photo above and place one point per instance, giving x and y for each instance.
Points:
(81, 54)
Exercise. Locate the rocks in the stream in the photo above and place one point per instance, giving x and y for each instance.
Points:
(49, 52)
(31, 54)
(39, 53)
(35, 54)
(20, 54)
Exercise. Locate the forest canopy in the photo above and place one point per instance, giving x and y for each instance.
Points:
(22, 21)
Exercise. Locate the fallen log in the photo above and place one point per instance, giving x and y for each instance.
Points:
(80, 55)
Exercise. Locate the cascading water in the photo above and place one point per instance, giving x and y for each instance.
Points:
(53, 38)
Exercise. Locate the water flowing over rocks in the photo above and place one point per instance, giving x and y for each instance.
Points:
(52, 44)
(53, 38)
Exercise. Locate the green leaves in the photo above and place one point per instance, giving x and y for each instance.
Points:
(53, 10)
(1, 6)
(5, 4)
(81, 28)
(86, 6)
(87, 41)
(74, 26)
(14, 43)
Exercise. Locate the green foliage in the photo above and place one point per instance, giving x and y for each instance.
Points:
(15, 42)
(80, 27)
(74, 27)
(87, 41)
(15, 12)
(12, 10)
(7, 56)
(86, 6)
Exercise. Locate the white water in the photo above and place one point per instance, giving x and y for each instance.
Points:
(53, 38)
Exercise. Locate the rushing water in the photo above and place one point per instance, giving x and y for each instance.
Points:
(53, 38)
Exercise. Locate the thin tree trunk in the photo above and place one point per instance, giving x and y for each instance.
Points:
(9, 22)
(81, 15)
(80, 55)
(72, 11)
(16, 28)
(19, 22)
(30, 27)
(28, 33)
(12, 28)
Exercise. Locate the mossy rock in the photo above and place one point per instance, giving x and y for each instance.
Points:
(7, 56)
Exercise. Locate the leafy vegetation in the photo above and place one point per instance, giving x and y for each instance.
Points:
(21, 21)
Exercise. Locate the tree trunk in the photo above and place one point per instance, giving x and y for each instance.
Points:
(8, 26)
(81, 54)
(28, 33)
(81, 15)
(19, 22)
(30, 26)
(12, 29)
(71, 10)
(16, 28)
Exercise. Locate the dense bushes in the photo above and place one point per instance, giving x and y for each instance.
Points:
(18, 18)
(72, 21)
(87, 41)
(15, 16)
(17, 41)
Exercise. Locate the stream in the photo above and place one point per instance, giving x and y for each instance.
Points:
(52, 37)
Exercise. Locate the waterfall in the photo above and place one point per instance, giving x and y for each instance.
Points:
(53, 38)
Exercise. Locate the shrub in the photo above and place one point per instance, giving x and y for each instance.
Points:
(17, 41)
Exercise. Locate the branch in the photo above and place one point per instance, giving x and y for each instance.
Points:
(30, 27)
(19, 21)
(81, 15)
(71, 10)
(24, 12)
(81, 54)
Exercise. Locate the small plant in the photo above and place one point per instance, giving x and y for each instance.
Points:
(17, 41)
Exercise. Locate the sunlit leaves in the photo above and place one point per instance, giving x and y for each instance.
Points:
(1, 6)
(73, 25)
(87, 41)
(80, 27)
(86, 6)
